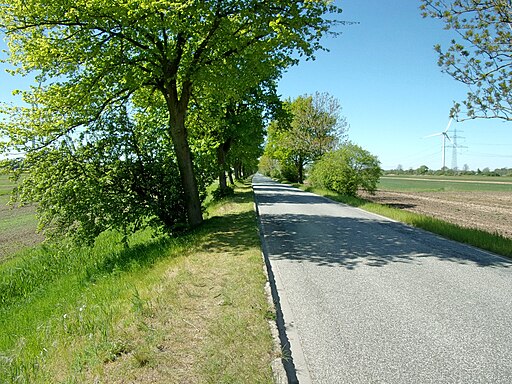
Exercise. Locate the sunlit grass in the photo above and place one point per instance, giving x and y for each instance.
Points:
(190, 309)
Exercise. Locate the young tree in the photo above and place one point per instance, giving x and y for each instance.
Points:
(482, 56)
(313, 127)
(346, 170)
(94, 57)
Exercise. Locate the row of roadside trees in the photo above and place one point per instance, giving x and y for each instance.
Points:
(139, 105)
(311, 135)
(465, 171)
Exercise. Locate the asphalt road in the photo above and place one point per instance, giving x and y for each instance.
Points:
(369, 300)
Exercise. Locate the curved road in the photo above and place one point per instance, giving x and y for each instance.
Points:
(369, 300)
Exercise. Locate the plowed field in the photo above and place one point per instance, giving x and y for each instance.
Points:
(489, 211)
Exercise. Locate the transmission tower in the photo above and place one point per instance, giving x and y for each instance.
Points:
(455, 148)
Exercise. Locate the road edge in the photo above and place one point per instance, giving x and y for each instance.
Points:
(292, 364)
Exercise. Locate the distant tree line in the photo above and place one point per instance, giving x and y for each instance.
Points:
(424, 170)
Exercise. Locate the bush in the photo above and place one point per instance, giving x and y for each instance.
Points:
(289, 172)
(268, 166)
(221, 193)
(347, 170)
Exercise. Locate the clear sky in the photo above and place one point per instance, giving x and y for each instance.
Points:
(384, 73)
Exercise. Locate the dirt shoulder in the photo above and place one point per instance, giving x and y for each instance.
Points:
(489, 211)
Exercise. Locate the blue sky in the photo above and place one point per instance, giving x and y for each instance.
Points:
(384, 73)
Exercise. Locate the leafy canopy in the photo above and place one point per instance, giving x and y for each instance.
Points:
(92, 55)
(117, 82)
(482, 55)
(312, 127)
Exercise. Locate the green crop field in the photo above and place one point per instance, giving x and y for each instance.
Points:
(5, 186)
(445, 183)
(17, 224)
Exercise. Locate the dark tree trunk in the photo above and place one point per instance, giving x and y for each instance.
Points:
(222, 151)
(230, 174)
(238, 171)
(300, 172)
(221, 160)
(177, 112)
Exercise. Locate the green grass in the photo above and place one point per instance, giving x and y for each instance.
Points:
(190, 309)
(478, 238)
(445, 183)
(6, 185)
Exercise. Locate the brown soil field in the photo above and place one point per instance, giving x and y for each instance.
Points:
(488, 211)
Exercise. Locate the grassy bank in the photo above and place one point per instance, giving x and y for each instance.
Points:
(481, 239)
(191, 309)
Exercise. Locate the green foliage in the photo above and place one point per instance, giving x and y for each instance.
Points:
(122, 175)
(289, 172)
(222, 193)
(481, 56)
(268, 166)
(94, 59)
(238, 135)
(311, 127)
(346, 170)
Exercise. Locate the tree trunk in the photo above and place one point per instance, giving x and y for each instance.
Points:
(221, 162)
(237, 171)
(230, 174)
(177, 112)
(222, 151)
(300, 171)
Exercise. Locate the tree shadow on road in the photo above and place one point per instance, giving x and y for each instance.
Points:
(350, 242)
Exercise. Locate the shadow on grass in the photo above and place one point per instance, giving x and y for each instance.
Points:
(231, 233)
(139, 256)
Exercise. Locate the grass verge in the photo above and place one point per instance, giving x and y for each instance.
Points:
(191, 309)
(481, 239)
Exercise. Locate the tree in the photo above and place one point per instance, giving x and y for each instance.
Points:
(482, 56)
(313, 127)
(94, 58)
(124, 177)
(346, 170)
(268, 166)
(422, 170)
(239, 135)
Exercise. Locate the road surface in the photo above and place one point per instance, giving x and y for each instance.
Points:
(367, 300)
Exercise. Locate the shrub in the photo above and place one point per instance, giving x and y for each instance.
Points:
(346, 170)
(221, 193)
(289, 171)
